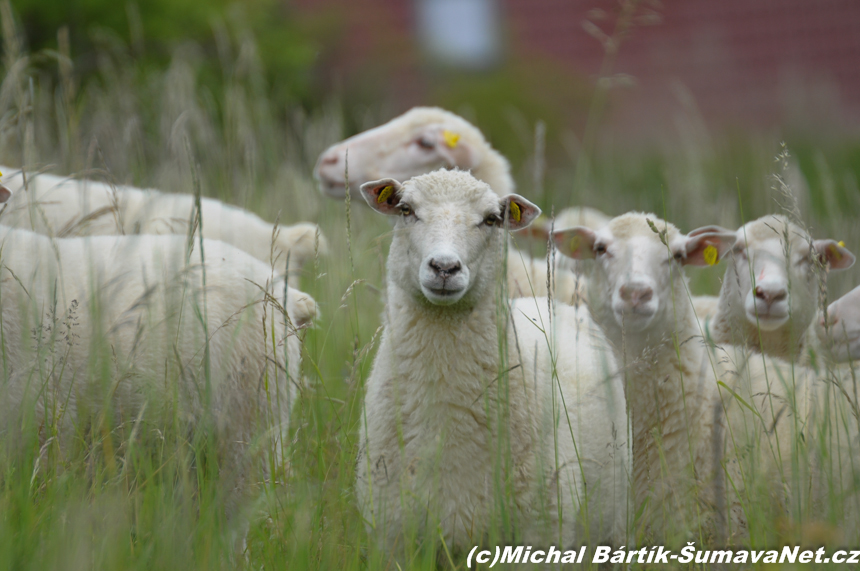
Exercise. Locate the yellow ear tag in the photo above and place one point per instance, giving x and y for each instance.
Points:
(574, 244)
(516, 213)
(451, 138)
(710, 255)
(841, 243)
(835, 252)
(385, 194)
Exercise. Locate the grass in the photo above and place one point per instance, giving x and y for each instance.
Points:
(161, 508)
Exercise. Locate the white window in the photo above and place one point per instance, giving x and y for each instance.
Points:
(460, 33)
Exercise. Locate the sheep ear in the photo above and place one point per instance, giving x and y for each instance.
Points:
(576, 242)
(833, 254)
(518, 212)
(5, 194)
(707, 248)
(383, 195)
(708, 230)
(456, 152)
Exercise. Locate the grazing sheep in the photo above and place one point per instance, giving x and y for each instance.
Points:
(463, 424)
(64, 207)
(769, 296)
(692, 437)
(106, 330)
(842, 334)
(420, 141)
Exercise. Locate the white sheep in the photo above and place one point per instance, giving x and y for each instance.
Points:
(463, 418)
(64, 207)
(841, 336)
(119, 329)
(693, 437)
(420, 141)
(769, 296)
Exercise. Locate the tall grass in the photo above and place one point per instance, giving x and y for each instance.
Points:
(161, 508)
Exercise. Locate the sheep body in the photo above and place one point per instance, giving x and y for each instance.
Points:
(124, 322)
(452, 432)
(691, 434)
(64, 207)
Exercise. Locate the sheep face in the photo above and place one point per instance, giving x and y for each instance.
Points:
(638, 269)
(417, 142)
(772, 272)
(843, 338)
(448, 233)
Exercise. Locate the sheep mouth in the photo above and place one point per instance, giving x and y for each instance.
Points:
(332, 189)
(635, 319)
(768, 320)
(442, 296)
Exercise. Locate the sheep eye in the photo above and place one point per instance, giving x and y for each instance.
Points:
(600, 249)
(491, 220)
(425, 143)
(679, 256)
(406, 210)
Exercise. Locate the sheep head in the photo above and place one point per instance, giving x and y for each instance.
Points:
(771, 278)
(448, 233)
(421, 140)
(638, 273)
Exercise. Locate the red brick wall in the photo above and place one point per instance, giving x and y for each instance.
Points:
(743, 61)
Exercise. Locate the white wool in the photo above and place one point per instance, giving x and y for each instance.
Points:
(118, 319)
(65, 207)
(761, 250)
(841, 337)
(391, 150)
(687, 427)
(447, 420)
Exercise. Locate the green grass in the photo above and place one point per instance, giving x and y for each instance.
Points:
(101, 505)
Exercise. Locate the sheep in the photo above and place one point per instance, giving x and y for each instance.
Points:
(136, 327)
(691, 435)
(840, 335)
(455, 431)
(64, 207)
(422, 140)
(770, 291)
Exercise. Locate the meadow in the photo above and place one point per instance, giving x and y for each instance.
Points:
(120, 501)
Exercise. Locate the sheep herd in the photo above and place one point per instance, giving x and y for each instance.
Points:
(503, 405)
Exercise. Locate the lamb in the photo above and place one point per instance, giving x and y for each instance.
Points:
(64, 207)
(691, 435)
(770, 291)
(422, 140)
(457, 432)
(134, 328)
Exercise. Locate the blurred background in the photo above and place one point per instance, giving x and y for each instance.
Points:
(706, 112)
(556, 85)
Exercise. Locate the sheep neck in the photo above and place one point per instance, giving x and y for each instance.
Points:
(670, 405)
(447, 355)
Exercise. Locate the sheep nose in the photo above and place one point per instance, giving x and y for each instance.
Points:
(445, 269)
(634, 294)
(770, 295)
(331, 157)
